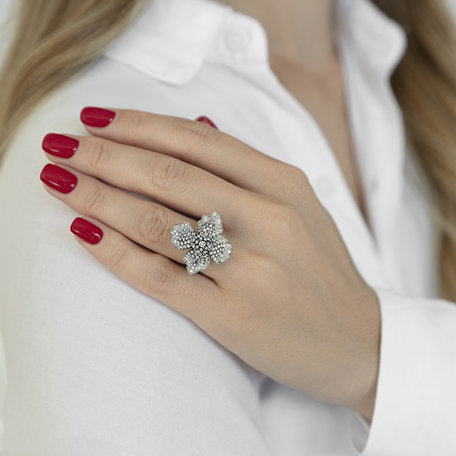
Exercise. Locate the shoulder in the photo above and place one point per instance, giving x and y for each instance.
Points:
(87, 320)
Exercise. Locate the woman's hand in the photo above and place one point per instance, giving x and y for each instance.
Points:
(289, 300)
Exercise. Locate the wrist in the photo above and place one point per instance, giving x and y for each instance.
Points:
(364, 377)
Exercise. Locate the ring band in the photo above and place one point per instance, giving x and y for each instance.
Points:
(208, 243)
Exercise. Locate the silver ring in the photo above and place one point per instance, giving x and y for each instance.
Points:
(208, 243)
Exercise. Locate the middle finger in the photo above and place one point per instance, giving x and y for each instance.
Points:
(171, 181)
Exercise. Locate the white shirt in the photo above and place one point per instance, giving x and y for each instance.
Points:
(94, 366)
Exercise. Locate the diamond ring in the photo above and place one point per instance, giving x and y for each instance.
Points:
(208, 243)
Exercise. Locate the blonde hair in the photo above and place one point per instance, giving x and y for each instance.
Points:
(425, 86)
(55, 40)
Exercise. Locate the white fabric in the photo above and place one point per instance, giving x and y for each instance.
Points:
(95, 367)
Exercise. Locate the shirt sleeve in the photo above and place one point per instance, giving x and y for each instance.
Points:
(415, 408)
(2, 384)
(6, 31)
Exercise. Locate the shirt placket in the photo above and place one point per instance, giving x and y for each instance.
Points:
(370, 52)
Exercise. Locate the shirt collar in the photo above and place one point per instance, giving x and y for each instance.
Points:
(172, 38)
(379, 41)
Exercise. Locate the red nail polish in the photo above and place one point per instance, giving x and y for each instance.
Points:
(207, 121)
(86, 230)
(97, 117)
(59, 145)
(58, 178)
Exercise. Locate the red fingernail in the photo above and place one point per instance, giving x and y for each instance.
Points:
(97, 117)
(58, 178)
(207, 121)
(59, 145)
(86, 230)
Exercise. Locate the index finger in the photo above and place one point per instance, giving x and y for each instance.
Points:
(194, 142)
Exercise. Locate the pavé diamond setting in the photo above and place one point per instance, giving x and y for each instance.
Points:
(208, 243)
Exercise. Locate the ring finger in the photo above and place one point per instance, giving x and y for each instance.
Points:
(144, 222)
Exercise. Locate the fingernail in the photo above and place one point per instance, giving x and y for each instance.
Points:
(59, 145)
(58, 178)
(206, 120)
(97, 117)
(86, 230)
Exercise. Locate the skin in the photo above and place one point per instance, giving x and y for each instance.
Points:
(304, 317)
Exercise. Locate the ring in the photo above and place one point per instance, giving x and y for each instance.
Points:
(208, 243)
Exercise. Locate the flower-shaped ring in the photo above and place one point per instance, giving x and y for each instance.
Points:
(207, 244)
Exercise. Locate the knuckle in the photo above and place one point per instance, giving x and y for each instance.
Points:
(196, 135)
(152, 224)
(293, 180)
(160, 276)
(297, 178)
(101, 154)
(119, 256)
(168, 173)
(94, 201)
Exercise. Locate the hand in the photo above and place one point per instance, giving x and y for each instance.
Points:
(288, 301)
